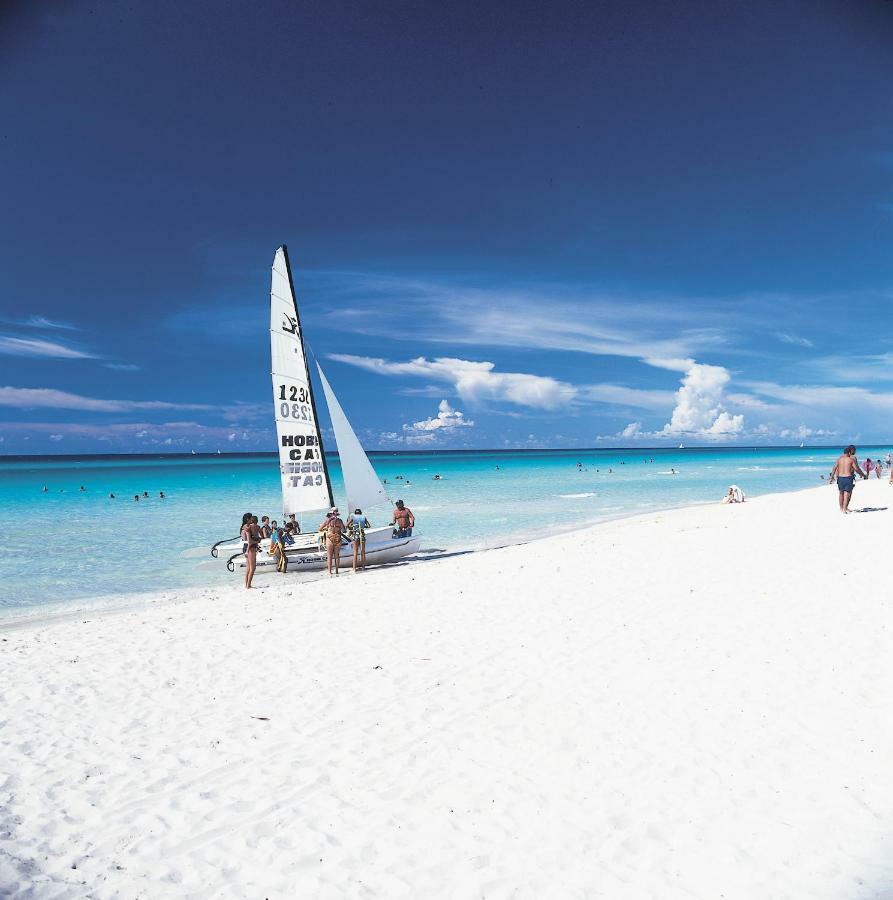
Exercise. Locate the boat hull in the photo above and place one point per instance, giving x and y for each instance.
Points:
(380, 550)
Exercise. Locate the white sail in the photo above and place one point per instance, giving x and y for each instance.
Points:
(302, 464)
(363, 487)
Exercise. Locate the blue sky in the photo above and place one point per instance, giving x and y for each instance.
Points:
(511, 225)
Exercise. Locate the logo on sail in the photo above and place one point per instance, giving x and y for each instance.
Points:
(290, 325)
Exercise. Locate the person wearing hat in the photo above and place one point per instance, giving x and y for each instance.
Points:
(404, 520)
(333, 527)
(357, 524)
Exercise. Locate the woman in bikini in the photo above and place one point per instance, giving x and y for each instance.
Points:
(334, 529)
(250, 535)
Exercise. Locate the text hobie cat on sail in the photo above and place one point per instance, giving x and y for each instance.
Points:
(304, 474)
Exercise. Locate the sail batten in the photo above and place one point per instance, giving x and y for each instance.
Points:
(362, 485)
(302, 464)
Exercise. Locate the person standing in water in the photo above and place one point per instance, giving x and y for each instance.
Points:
(844, 471)
(250, 542)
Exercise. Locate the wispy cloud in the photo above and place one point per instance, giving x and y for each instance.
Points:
(186, 434)
(474, 381)
(543, 317)
(787, 338)
(16, 346)
(39, 321)
(44, 322)
(33, 398)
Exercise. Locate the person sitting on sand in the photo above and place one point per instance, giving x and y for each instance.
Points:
(333, 528)
(844, 471)
(730, 497)
(357, 524)
(404, 520)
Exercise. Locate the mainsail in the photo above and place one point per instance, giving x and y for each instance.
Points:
(363, 487)
(302, 461)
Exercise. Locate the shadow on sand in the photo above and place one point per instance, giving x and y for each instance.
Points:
(870, 509)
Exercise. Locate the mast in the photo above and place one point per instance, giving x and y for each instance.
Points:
(300, 335)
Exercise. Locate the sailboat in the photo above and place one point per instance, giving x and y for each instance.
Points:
(304, 473)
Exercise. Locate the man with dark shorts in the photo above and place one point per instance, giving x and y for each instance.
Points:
(844, 470)
(404, 520)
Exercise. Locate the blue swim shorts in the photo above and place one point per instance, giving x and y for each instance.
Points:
(845, 483)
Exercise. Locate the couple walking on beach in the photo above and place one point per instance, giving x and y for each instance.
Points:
(844, 471)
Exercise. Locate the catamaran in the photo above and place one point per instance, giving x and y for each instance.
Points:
(304, 472)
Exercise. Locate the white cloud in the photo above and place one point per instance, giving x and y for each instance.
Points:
(446, 420)
(141, 434)
(673, 364)
(554, 317)
(44, 322)
(474, 381)
(801, 433)
(633, 430)
(787, 338)
(699, 407)
(56, 437)
(15, 346)
(31, 398)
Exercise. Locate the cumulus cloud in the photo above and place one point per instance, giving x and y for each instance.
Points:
(633, 430)
(699, 409)
(16, 346)
(31, 398)
(447, 419)
(474, 381)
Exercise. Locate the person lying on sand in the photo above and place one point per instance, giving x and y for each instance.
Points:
(843, 471)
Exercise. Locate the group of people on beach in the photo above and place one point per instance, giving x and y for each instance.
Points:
(332, 532)
(847, 467)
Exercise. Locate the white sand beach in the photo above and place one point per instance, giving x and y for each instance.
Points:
(688, 704)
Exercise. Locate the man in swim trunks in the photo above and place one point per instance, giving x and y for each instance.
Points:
(844, 470)
(404, 520)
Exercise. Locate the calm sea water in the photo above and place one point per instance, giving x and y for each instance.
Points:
(65, 544)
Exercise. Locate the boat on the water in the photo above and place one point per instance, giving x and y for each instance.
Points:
(306, 486)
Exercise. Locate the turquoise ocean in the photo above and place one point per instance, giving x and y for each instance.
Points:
(65, 545)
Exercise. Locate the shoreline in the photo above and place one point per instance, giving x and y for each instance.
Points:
(670, 705)
(133, 601)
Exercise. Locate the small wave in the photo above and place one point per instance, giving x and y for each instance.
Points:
(577, 496)
(753, 469)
